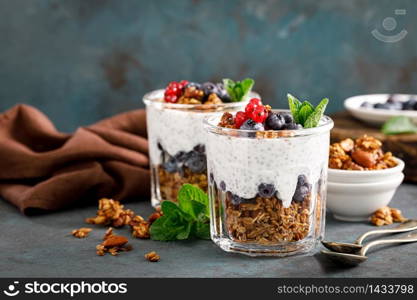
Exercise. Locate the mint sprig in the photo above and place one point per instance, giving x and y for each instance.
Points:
(189, 218)
(238, 90)
(305, 113)
(399, 125)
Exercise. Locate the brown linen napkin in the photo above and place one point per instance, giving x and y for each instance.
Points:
(43, 169)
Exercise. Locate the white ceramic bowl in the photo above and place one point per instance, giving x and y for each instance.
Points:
(349, 176)
(377, 116)
(357, 202)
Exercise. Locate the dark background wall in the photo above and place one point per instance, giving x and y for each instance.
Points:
(82, 60)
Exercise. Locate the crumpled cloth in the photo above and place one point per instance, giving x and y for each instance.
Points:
(42, 169)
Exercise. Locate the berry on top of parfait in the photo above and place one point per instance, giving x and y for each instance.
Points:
(259, 117)
(186, 92)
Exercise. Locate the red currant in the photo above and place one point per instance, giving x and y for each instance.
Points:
(255, 101)
(171, 98)
(252, 105)
(174, 90)
(240, 118)
(259, 114)
(183, 83)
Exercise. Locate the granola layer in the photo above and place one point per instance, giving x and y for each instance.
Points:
(265, 221)
(170, 183)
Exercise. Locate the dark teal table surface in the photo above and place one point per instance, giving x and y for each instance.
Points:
(41, 246)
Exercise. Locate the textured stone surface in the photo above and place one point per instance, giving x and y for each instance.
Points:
(42, 246)
(80, 61)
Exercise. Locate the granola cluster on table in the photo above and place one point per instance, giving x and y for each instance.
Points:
(386, 216)
(364, 153)
(112, 213)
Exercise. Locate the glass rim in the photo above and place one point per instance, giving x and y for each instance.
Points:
(151, 98)
(326, 124)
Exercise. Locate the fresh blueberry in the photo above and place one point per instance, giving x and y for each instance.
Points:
(222, 185)
(200, 148)
(222, 93)
(410, 105)
(194, 84)
(266, 190)
(300, 193)
(181, 156)
(252, 125)
(303, 188)
(394, 105)
(382, 106)
(236, 200)
(367, 104)
(209, 88)
(288, 118)
(275, 121)
(196, 162)
(171, 165)
(293, 126)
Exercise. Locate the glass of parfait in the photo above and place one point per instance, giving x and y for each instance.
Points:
(177, 139)
(267, 181)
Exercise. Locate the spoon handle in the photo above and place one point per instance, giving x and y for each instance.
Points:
(408, 225)
(412, 237)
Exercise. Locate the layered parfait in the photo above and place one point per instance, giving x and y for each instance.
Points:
(177, 139)
(267, 177)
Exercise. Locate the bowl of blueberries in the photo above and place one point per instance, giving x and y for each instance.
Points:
(376, 109)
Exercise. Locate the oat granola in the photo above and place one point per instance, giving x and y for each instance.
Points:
(111, 212)
(386, 216)
(170, 183)
(81, 232)
(152, 256)
(365, 153)
(266, 221)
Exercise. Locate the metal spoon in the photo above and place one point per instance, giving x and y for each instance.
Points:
(355, 259)
(356, 246)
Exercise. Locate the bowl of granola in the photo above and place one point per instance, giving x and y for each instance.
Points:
(176, 135)
(267, 178)
(361, 178)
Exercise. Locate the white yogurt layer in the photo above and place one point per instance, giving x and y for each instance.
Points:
(177, 130)
(244, 163)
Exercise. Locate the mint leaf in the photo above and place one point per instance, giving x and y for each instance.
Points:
(305, 111)
(399, 125)
(247, 85)
(238, 90)
(313, 119)
(172, 225)
(294, 105)
(202, 228)
(187, 193)
(189, 218)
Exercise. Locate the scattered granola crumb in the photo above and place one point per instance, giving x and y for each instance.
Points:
(111, 212)
(112, 244)
(81, 232)
(108, 233)
(397, 215)
(152, 256)
(386, 216)
(140, 229)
